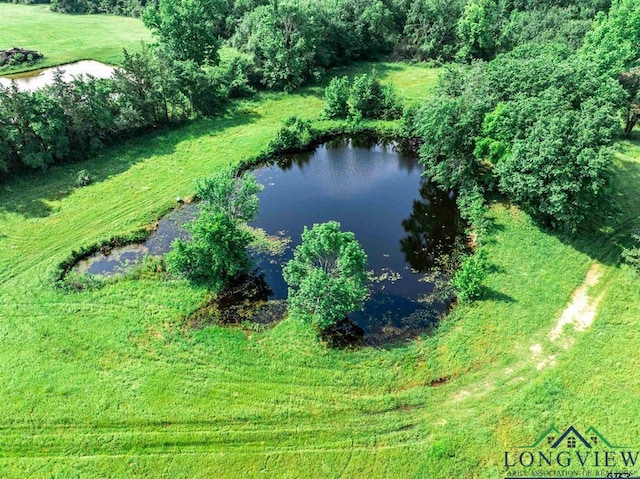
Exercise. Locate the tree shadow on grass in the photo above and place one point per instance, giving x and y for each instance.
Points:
(493, 295)
(604, 235)
(30, 195)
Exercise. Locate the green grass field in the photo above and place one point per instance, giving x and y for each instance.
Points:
(68, 38)
(110, 383)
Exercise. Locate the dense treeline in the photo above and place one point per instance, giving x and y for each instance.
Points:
(536, 123)
(292, 40)
(68, 121)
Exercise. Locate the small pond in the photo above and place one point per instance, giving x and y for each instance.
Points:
(402, 221)
(35, 79)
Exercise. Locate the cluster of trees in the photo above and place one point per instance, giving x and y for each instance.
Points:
(327, 275)
(447, 29)
(364, 97)
(71, 120)
(537, 123)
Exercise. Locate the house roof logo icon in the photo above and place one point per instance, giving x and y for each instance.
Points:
(554, 439)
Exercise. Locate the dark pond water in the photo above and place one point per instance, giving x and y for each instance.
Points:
(120, 259)
(401, 220)
(35, 79)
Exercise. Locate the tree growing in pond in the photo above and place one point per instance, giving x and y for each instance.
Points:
(327, 276)
(216, 253)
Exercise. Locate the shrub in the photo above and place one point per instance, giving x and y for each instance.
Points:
(295, 134)
(468, 280)
(366, 97)
(336, 96)
(370, 99)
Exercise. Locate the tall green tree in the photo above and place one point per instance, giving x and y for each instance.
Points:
(284, 40)
(327, 276)
(614, 42)
(430, 32)
(478, 28)
(216, 253)
(190, 28)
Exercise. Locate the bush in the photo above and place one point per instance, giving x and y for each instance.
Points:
(336, 96)
(368, 98)
(468, 280)
(295, 134)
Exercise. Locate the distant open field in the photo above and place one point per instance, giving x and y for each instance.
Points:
(67, 38)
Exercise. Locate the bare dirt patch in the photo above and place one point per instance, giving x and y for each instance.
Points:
(582, 309)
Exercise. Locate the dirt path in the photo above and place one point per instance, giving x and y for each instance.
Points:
(582, 309)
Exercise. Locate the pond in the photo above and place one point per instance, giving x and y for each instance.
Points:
(32, 80)
(402, 222)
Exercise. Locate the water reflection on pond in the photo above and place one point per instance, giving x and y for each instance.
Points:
(35, 79)
(402, 221)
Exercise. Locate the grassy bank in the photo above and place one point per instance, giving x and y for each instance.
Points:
(109, 382)
(65, 38)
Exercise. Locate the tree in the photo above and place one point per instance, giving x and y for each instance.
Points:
(630, 81)
(430, 31)
(216, 253)
(284, 40)
(336, 96)
(535, 124)
(614, 42)
(327, 276)
(190, 28)
(478, 28)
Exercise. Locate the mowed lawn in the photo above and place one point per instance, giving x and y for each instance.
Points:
(111, 383)
(65, 38)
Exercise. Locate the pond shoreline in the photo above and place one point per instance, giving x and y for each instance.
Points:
(264, 158)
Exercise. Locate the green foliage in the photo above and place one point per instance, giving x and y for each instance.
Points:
(632, 255)
(614, 42)
(478, 28)
(630, 81)
(295, 134)
(115, 7)
(70, 120)
(336, 96)
(366, 97)
(189, 28)
(468, 280)
(216, 252)
(370, 99)
(430, 32)
(535, 124)
(327, 276)
(553, 24)
(283, 39)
